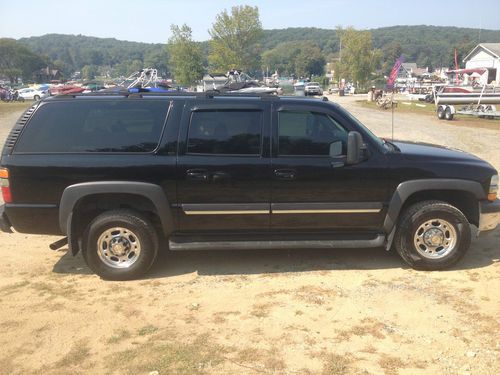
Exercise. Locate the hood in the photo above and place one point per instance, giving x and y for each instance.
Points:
(421, 151)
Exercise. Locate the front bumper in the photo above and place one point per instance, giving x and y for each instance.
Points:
(489, 216)
(4, 221)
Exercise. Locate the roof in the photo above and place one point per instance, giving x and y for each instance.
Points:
(409, 66)
(492, 48)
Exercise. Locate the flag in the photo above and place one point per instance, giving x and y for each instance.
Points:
(394, 72)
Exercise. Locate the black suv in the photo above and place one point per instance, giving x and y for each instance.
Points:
(123, 175)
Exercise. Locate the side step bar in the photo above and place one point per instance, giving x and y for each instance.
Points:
(377, 241)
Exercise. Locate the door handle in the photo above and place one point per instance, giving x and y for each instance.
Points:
(285, 174)
(197, 175)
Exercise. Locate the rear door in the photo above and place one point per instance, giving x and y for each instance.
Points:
(224, 173)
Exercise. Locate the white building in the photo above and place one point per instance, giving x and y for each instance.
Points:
(485, 55)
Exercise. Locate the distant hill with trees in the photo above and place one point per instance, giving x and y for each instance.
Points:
(428, 46)
(431, 46)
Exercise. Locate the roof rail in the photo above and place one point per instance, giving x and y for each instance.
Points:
(205, 94)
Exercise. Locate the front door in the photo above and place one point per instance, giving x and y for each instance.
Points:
(224, 175)
(313, 188)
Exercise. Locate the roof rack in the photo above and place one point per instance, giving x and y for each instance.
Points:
(205, 94)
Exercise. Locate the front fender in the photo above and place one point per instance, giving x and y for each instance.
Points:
(407, 188)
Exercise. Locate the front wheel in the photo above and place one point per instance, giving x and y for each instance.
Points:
(120, 245)
(432, 235)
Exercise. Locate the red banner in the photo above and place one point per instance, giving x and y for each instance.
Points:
(394, 72)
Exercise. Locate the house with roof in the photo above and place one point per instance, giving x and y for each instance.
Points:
(486, 56)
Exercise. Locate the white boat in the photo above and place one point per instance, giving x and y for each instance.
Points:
(461, 95)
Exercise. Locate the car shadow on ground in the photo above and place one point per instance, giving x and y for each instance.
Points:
(483, 252)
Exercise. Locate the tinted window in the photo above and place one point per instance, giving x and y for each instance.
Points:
(95, 126)
(236, 132)
(310, 133)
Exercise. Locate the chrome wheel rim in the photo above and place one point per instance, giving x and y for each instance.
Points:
(435, 238)
(118, 247)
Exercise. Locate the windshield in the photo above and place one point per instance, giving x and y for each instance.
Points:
(367, 131)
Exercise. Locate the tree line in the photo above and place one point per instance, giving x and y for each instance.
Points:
(237, 40)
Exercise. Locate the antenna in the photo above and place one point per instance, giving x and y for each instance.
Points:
(392, 114)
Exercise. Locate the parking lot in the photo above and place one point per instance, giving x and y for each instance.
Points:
(272, 312)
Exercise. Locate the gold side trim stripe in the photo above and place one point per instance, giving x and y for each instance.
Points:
(245, 212)
(260, 212)
(327, 211)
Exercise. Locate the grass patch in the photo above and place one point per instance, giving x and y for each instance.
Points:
(8, 108)
(119, 336)
(147, 330)
(196, 357)
(391, 364)
(262, 310)
(260, 360)
(336, 364)
(78, 354)
(368, 327)
(429, 108)
(12, 288)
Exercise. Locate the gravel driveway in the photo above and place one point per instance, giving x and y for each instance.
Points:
(270, 312)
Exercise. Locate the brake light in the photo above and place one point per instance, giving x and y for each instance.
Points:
(4, 183)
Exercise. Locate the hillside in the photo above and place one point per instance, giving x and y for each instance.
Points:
(73, 52)
(427, 45)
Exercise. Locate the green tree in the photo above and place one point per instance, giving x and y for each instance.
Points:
(235, 38)
(358, 59)
(309, 61)
(185, 55)
(300, 58)
(16, 61)
(391, 53)
(157, 59)
(89, 72)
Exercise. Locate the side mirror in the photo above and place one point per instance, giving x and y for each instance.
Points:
(354, 148)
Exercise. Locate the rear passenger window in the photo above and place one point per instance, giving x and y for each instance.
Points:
(95, 126)
(235, 132)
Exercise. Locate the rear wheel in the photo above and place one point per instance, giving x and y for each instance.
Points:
(432, 235)
(36, 98)
(448, 115)
(120, 245)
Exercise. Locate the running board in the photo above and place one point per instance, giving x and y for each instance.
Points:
(377, 241)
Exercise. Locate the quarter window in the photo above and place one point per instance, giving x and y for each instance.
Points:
(235, 132)
(310, 133)
(95, 126)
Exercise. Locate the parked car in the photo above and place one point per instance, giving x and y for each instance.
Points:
(313, 88)
(123, 177)
(33, 94)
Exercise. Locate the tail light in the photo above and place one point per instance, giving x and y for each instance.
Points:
(493, 191)
(4, 183)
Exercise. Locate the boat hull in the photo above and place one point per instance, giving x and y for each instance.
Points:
(468, 98)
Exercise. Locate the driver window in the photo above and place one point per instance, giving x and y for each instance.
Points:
(310, 133)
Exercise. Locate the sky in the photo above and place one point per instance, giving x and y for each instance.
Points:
(149, 21)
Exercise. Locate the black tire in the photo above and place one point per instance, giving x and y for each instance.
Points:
(136, 232)
(440, 113)
(417, 216)
(447, 114)
(36, 98)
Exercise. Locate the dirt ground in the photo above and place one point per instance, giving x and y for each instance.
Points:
(270, 312)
